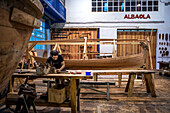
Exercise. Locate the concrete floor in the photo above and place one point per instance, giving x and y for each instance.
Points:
(140, 102)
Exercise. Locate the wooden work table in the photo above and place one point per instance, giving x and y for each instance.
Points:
(149, 81)
(74, 102)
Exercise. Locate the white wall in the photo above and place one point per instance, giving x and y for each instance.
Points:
(79, 14)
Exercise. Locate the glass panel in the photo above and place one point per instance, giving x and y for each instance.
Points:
(144, 9)
(149, 3)
(104, 6)
(115, 3)
(155, 2)
(155, 8)
(127, 3)
(115, 9)
(149, 8)
(110, 9)
(133, 3)
(127, 8)
(138, 8)
(133, 8)
(93, 3)
(99, 4)
(110, 4)
(138, 5)
(144, 3)
(94, 9)
(99, 9)
(121, 6)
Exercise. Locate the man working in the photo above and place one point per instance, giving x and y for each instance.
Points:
(56, 61)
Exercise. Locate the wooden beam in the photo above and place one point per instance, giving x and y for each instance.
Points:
(31, 46)
(82, 43)
(114, 49)
(55, 47)
(73, 96)
(85, 49)
(149, 46)
(89, 40)
(24, 18)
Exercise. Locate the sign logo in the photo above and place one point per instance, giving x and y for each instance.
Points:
(137, 16)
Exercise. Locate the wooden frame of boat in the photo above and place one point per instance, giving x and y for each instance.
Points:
(18, 19)
(123, 62)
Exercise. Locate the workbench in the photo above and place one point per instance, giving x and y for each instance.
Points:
(148, 78)
(74, 102)
(149, 81)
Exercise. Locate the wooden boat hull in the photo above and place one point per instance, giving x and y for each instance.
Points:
(15, 34)
(125, 62)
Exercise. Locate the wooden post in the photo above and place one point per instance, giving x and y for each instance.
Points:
(23, 61)
(149, 46)
(150, 56)
(95, 76)
(59, 49)
(146, 83)
(150, 83)
(131, 84)
(127, 85)
(120, 78)
(55, 47)
(114, 49)
(73, 96)
(85, 49)
(78, 94)
(10, 85)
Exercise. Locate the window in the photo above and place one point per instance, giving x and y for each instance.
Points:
(39, 35)
(124, 5)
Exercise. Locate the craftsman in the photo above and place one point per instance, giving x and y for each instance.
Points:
(56, 61)
(57, 64)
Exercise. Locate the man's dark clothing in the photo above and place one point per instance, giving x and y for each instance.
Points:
(56, 63)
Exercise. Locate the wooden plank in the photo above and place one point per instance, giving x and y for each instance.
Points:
(122, 71)
(131, 84)
(82, 43)
(24, 18)
(30, 47)
(73, 96)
